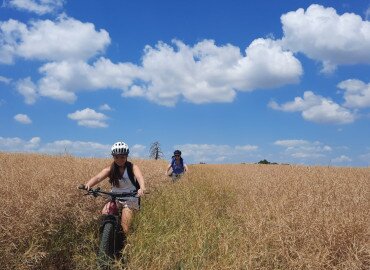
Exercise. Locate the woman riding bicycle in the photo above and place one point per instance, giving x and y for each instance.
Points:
(124, 177)
(178, 166)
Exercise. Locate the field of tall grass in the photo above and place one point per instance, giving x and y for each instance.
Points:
(241, 216)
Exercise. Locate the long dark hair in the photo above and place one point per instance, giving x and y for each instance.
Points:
(115, 174)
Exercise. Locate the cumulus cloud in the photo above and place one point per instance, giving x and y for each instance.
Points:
(325, 36)
(89, 118)
(356, 93)
(291, 143)
(365, 157)
(138, 151)
(63, 79)
(317, 109)
(265, 65)
(211, 153)
(302, 149)
(41, 40)
(341, 159)
(105, 107)
(77, 148)
(39, 7)
(27, 89)
(5, 80)
(246, 148)
(18, 145)
(22, 118)
(200, 74)
(209, 73)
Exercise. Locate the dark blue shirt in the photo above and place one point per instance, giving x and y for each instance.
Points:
(177, 168)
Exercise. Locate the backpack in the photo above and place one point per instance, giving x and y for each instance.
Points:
(131, 175)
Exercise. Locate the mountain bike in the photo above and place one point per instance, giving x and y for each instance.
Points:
(112, 237)
(176, 176)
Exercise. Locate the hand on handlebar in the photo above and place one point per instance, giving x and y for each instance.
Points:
(84, 187)
(141, 192)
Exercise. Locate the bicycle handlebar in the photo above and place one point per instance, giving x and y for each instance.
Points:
(97, 192)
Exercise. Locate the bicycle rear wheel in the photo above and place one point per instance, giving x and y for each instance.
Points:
(106, 246)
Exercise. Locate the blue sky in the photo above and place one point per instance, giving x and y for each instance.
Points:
(223, 81)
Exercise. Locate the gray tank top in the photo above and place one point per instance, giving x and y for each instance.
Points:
(124, 184)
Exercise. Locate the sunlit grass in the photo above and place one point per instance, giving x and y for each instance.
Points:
(217, 217)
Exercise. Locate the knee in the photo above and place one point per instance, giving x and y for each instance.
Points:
(104, 211)
(125, 227)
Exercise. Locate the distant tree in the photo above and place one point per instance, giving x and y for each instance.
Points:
(264, 161)
(155, 151)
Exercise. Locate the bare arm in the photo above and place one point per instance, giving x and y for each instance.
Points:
(140, 179)
(98, 178)
(186, 168)
(168, 168)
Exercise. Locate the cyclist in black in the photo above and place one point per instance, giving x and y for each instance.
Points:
(124, 177)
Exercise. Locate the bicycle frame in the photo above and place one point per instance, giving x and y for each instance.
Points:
(111, 234)
(175, 177)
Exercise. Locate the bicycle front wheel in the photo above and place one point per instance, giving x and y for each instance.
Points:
(106, 246)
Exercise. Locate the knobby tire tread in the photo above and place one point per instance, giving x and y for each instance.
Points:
(106, 246)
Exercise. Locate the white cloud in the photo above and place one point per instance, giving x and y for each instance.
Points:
(367, 14)
(323, 35)
(266, 65)
(365, 157)
(138, 151)
(5, 80)
(62, 79)
(39, 7)
(209, 73)
(28, 90)
(18, 145)
(317, 109)
(42, 40)
(246, 148)
(203, 152)
(341, 159)
(199, 74)
(89, 118)
(211, 153)
(10, 32)
(302, 149)
(357, 93)
(78, 148)
(105, 107)
(291, 143)
(22, 118)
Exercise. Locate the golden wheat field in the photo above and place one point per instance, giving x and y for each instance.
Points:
(242, 216)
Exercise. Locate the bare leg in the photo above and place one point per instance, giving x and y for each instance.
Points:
(105, 209)
(126, 221)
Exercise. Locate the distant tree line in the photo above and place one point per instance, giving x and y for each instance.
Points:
(265, 161)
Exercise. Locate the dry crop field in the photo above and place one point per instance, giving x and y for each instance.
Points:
(217, 217)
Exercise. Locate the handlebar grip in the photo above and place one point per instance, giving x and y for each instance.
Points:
(82, 186)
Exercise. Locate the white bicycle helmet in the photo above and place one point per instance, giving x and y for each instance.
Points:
(120, 148)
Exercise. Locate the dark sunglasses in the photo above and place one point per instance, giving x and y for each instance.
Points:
(177, 155)
(119, 156)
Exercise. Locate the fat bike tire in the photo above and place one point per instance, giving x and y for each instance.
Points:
(106, 247)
